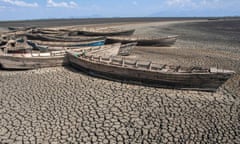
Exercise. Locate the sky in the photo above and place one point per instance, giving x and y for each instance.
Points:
(46, 9)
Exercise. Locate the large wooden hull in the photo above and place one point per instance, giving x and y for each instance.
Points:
(25, 63)
(165, 41)
(190, 81)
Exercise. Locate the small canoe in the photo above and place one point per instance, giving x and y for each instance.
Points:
(34, 60)
(20, 28)
(144, 41)
(48, 31)
(62, 38)
(27, 63)
(107, 32)
(152, 74)
(69, 44)
(44, 48)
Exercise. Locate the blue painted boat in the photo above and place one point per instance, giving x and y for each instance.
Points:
(97, 43)
(70, 44)
(46, 46)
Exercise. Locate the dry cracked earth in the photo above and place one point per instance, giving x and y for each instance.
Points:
(61, 105)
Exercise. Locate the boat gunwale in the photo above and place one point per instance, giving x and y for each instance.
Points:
(77, 49)
(107, 63)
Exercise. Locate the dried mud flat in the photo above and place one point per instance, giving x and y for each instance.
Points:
(62, 105)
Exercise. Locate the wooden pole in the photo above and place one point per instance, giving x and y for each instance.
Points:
(136, 64)
(150, 65)
(123, 62)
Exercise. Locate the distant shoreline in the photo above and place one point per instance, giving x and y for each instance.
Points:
(84, 21)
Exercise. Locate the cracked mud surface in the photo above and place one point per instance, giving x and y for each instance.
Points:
(62, 105)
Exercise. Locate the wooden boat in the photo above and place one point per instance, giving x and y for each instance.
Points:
(140, 72)
(144, 41)
(48, 31)
(16, 46)
(26, 61)
(62, 38)
(126, 49)
(69, 44)
(45, 48)
(106, 32)
(11, 62)
(20, 28)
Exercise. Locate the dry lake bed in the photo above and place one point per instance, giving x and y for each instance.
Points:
(63, 105)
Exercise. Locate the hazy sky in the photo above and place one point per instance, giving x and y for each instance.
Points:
(37, 9)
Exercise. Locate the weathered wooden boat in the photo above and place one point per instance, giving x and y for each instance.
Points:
(45, 48)
(48, 31)
(13, 36)
(22, 62)
(140, 72)
(62, 38)
(144, 41)
(16, 46)
(126, 49)
(107, 32)
(69, 44)
(20, 28)
(34, 60)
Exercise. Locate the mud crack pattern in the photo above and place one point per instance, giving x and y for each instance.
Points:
(61, 105)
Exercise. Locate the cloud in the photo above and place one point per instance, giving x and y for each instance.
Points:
(181, 3)
(134, 3)
(194, 4)
(2, 7)
(20, 3)
(71, 4)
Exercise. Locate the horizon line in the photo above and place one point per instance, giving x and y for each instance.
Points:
(76, 18)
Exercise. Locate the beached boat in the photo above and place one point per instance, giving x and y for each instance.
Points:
(133, 71)
(33, 60)
(20, 28)
(14, 62)
(48, 31)
(106, 32)
(68, 44)
(62, 38)
(126, 49)
(16, 46)
(144, 41)
(45, 48)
